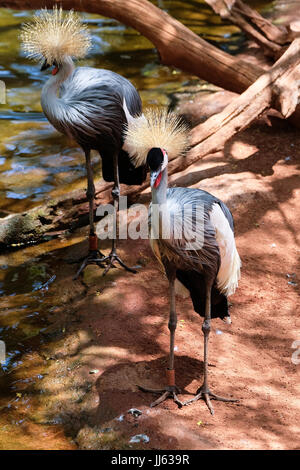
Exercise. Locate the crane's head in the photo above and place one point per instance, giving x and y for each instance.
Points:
(52, 37)
(45, 66)
(154, 138)
(157, 160)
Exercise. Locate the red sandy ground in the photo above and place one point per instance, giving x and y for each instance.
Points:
(122, 332)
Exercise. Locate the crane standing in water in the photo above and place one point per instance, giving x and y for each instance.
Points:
(87, 104)
(192, 237)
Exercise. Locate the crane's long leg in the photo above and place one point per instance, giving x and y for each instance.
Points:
(94, 255)
(203, 391)
(171, 390)
(113, 257)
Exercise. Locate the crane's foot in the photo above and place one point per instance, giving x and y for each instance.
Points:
(93, 257)
(114, 258)
(207, 395)
(168, 392)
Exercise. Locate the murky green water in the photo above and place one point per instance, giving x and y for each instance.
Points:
(35, 163)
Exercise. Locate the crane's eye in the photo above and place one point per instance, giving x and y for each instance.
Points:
(45, 65)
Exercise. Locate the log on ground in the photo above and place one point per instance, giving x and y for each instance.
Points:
(176, 44)
(267, 35)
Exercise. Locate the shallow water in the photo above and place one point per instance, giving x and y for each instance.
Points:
(35, 163)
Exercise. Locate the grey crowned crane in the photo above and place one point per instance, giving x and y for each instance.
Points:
(192, 236)
(87, 104)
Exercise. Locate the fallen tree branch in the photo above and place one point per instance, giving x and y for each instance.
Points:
(71, 210)
(270, 37)
(176, 44)
(211, 136)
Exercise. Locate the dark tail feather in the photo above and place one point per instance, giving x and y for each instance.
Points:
(128, 173)
(195, 283)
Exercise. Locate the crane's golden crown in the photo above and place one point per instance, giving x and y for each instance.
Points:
(53, 35)
(155, 128)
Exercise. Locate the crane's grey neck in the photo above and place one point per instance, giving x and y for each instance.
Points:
(159, 194)
(50, 100)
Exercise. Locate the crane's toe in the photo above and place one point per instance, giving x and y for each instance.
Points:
(114, 258)
(170, 391)
(205, 394)
(93, 257)
(104, 262)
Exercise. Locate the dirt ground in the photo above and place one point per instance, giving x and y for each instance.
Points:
(117, 336)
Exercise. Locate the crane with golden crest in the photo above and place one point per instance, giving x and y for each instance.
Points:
(191, 235)
(89, 105)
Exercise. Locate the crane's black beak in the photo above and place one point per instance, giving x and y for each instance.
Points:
(45, 66)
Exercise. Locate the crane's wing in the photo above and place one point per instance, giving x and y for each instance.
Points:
(197, 233)
(94, 106)
(185, 234)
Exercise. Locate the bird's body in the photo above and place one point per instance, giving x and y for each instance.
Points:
(90, 106)
(215, 255)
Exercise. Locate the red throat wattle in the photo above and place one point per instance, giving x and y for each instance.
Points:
(54, 71)
(157, 181)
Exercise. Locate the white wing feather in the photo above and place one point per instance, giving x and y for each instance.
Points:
(229, 272)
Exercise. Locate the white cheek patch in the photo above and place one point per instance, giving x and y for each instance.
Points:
(165, 161)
